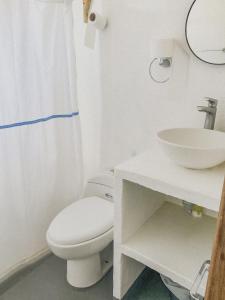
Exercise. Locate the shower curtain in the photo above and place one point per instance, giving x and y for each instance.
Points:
(40, 155)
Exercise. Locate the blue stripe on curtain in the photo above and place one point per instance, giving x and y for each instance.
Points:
(45, 119)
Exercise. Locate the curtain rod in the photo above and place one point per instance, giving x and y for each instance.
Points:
(51, 1)
(86, 6)
(54, 1)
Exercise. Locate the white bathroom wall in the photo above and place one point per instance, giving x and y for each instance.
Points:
(134, 107)
(89, 91)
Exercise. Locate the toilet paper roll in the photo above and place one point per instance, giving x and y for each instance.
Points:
(95, 22)
(90, 36)
(98, 21)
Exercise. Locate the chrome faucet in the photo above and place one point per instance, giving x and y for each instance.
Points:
(210, 111)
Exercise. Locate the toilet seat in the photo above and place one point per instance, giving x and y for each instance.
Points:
(82, 221)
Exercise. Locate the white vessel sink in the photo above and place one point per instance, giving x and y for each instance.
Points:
(192, 147)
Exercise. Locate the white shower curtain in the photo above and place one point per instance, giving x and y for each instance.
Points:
(40, 156)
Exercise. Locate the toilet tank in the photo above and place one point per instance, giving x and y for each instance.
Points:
(102, 186)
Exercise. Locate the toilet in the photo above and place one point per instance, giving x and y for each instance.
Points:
(82, 233)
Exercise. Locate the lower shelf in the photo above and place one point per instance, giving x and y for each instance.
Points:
(174, 244)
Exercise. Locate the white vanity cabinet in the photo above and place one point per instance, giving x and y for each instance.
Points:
(151, 227)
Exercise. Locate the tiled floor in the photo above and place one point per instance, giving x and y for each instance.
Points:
(47, 282)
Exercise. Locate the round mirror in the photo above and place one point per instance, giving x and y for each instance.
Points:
(205, 30)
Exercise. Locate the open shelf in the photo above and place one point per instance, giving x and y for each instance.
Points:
(173, 243)
(155, 171)
(150, 231)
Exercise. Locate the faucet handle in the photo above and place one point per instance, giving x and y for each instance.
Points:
(212, 101)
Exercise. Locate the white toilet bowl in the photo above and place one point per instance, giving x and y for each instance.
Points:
(80, 234)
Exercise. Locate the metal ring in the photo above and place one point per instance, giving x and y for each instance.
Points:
(151, 75)
(198, 280)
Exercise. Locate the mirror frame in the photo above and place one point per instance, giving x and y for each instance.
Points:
(210, 63)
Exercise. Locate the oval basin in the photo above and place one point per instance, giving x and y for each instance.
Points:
(192, 147)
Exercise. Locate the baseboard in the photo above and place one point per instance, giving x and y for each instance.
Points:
(22, 265)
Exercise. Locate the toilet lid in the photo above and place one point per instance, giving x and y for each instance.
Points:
(82, 221)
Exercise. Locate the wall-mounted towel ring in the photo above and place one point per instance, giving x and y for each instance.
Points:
(162, 51)
(163, 62)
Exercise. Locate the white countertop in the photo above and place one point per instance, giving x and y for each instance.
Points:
(154, 170)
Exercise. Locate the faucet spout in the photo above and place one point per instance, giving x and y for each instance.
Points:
(210, 111)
